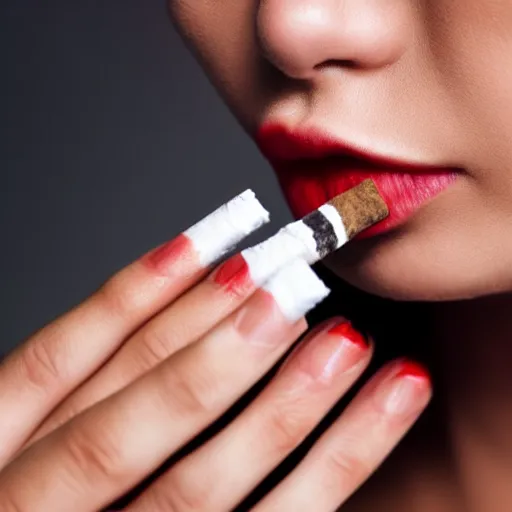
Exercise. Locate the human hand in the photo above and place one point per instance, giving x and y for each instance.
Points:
(97, 400)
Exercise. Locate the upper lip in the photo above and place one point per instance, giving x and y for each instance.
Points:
(282, 145)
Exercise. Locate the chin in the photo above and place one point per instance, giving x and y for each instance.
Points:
(425, 265)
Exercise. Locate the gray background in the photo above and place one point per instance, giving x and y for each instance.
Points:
(112, 141)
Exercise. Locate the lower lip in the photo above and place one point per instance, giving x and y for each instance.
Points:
(403, 192)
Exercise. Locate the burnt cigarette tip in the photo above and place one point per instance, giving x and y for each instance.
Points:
(360, 207)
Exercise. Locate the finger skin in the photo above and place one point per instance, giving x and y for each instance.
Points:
(357, 443)
(218, 475)
(39, 375)
(191, 316)
(41, 372)
(109, 448)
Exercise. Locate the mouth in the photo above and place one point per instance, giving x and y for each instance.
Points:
(313, 168)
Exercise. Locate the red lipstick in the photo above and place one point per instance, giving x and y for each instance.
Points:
(312, 168)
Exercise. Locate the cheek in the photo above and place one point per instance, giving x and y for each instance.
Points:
(222, 36)
(472, 48)
(476, 61)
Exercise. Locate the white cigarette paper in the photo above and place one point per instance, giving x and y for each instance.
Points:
(222, 229)
(294, 241)
(296, 289)
(319, 233)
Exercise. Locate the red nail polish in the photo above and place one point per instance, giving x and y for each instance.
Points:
(413, 369)
(165, 255)
(346, 330)
(330, 350)
(405, 388)
(233, 275)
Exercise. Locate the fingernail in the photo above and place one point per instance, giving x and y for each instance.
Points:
(233, 275)
(168, 253)
(217, 233)
(346, 331)
(336, 349)
(405, 391)
(282, 301)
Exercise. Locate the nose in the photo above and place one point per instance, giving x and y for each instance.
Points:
(303, 37)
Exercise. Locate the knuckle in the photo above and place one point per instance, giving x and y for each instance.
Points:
(92, 455)
(285, 428)
(120, 298)
(191, 394)
(154, 346)
(345, 464)
(178, 496)
(40, 364)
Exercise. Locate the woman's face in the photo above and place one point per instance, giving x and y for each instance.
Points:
(416, 94)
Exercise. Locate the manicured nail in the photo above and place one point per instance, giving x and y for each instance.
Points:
(282, 301)
(334, 350)
(413, 370)
(346, 331)
(405, 390)
(164, 256)
(233, 275)
(217, 233)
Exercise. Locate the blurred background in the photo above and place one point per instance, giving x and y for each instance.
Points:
(112, 141)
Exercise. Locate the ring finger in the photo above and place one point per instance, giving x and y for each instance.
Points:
(356, 444)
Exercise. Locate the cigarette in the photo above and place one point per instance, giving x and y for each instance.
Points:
(359, 208)
(296, 289)
(216, 234)
(319, 233)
